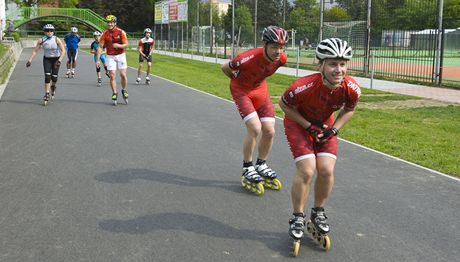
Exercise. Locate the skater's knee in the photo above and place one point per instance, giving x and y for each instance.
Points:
(54, 78)
(268, 131)
(306, 175)
(47, 78)
(326, 172)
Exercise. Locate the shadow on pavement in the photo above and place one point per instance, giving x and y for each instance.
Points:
(128, 175)
(197, 224)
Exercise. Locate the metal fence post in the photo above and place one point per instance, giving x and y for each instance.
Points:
(297, 62)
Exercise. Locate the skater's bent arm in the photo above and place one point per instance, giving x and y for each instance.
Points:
(227, 70)
(344, 116)
(35, 50)
(293, 114)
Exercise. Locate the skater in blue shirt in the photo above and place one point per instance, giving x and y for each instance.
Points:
(72, 40)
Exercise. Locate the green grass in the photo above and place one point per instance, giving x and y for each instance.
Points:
(6, 67)
(426, 136)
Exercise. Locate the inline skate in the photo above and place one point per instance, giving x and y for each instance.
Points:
(147, 80)
(53, 92)
(46, 99)
(318, 228)
(72, 74)
(252, 181)
(99, 82)
(269, 176)
(125, 95)
(296, 230)
(138, 81)
(114, 98)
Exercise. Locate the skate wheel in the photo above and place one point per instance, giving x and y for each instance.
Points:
(276, 184)
(325, 242)
(243, 182)
(258, 189)
(296, 247)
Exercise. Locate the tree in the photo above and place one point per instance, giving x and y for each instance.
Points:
(357, 9)
(336, 14)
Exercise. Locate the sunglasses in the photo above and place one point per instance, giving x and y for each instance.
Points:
(48, 30)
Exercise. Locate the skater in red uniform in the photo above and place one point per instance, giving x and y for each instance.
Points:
(249, 91)
(311, 131)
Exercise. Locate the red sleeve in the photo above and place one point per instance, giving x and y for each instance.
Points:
(140, 43)
(245, 57)
(353, 92)
(290, 97)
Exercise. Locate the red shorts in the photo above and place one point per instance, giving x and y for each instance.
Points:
(254, 102)
(303, 144)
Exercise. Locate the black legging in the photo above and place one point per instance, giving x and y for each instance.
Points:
(51, 71)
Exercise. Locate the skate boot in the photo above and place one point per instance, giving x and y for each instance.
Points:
(46, 98)
(114, 98)
(99, 82)
(72, 74)
(138, 80)
(318, 227)
(53, 92)
(269, 176)
(252, 181)
(125, 95)
(296, 229)
(67, 75)
(147, 80)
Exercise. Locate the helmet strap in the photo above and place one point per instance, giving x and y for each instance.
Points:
(266, 53)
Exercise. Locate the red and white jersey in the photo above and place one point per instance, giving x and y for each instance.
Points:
(112, 36)
(317, 103)
(146, 44)
(253, 68)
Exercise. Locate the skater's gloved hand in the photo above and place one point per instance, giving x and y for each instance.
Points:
(316, 128)
(57, 64)
(327, 134)
(28, 64)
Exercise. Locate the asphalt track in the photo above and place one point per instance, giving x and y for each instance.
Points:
(158, 180)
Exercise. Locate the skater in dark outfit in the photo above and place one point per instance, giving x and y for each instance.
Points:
(311, 131)
(54, 52)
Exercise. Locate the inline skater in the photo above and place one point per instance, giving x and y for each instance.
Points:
(54, 52)
(71, 40)
(94, 46)
(115, 41)
(145, 48)
(311, 132)
(249, 90)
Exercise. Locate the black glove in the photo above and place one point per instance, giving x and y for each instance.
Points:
(327, 134)
(28, 63)
(57, 64)
(316, 128)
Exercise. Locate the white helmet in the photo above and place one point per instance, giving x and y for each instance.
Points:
(48, 27)
(333, 48)
(97, 33)
(147, 30)
(73, 29)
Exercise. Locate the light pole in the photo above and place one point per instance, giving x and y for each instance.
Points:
(233, 29)
(211, 42)
(255, 24)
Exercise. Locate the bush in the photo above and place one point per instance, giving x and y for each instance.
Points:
(16, 36)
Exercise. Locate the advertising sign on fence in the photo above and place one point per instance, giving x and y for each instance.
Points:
(171, 11)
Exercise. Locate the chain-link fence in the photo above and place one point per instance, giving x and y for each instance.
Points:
(391, 39)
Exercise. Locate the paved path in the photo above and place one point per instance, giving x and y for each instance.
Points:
(441, 94)
(158, 180)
